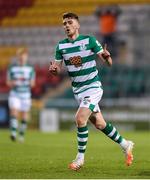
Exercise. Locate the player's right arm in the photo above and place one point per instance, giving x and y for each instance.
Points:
(55, 65)
(9, 81)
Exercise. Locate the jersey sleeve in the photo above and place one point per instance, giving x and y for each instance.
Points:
(58, 54)
(33, 74)
(8, 75)
(96, 46)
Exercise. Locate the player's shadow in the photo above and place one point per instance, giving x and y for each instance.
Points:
(144, 173)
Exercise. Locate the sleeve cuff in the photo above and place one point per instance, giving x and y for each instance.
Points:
(100, 51)
(58, 60)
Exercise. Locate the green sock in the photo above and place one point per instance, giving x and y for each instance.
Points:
(82, 135)
(112, 133)
(13, 125)
(23, 127)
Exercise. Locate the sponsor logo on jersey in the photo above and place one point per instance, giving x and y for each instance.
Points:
(76, 61)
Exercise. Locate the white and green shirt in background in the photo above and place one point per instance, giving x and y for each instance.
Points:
(22, 75)
(79, 56)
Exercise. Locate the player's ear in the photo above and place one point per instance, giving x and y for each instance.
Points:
(78, 25)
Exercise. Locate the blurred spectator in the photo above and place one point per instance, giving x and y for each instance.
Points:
(108, 16)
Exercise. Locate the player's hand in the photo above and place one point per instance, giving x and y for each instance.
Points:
(12, 83)
(105, 54)
(53, 68)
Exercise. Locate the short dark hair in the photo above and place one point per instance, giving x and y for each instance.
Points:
(70, 15)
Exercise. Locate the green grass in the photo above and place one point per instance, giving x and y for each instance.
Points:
(48, 155)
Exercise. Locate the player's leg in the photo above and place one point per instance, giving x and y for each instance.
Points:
(25, 107)
(82, 117)
(14, 105)
(23, 126)
(87, 101)
(110, 131)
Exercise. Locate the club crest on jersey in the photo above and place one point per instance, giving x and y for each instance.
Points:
(64, 50)
(86, 100)
(82, 47)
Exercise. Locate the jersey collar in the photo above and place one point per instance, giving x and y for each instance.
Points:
(72, 41)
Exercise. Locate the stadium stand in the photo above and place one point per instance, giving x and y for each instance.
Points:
(9, 8)
(6, 53)
(36, 24)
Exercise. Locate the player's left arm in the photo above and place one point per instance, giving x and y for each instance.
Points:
(103, 53)
(32, 80)
(32, 83)
(9, 81)
(105, 56)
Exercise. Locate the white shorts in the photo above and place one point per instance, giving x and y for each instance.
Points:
(19, 103)
(90, 99)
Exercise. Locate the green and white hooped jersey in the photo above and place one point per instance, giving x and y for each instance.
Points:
(79, 57)
(22, 75)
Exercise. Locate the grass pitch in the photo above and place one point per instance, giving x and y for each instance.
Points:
(48, 155)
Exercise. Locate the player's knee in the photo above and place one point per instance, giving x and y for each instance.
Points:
(80, 120)
(100, 125)
(14, 113)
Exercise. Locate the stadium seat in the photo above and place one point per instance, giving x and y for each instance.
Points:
(42, 13)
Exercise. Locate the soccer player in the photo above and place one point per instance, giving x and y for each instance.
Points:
(79, 53)
(20, 78)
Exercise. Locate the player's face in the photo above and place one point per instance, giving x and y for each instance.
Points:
(71, 26)
(23, 58)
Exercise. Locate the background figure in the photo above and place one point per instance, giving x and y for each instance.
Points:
(107, 17)
(20, 78)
